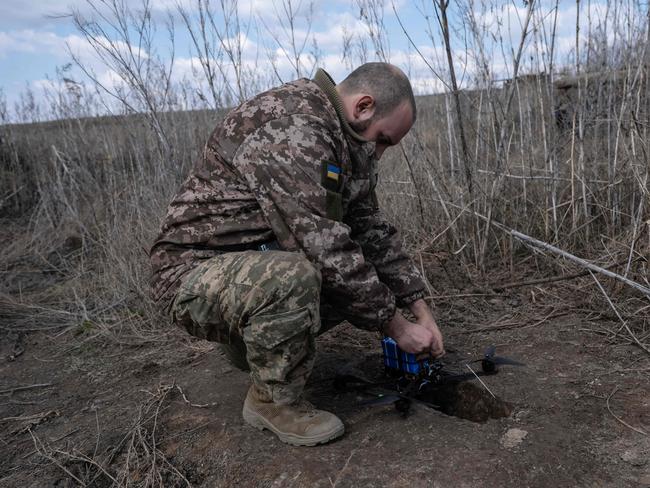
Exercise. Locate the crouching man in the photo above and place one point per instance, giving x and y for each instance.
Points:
(276, 236)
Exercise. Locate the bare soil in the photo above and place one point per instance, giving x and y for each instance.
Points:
(168, 411)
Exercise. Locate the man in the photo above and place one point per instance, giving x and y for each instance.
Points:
(276, 236)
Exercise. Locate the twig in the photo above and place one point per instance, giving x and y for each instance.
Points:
(586, 264)
(80, 456)
(627, 328)
(25, 456)
(551, 315)
(498, 326)
(620, 419)
(42, 451)
(424, 275)
(514, 325)
(480, 380)
(552, 279)
(37, 416)
(342, 470)
(27, 387)
(204, 405)
(463, 295)
(16, 402)
(10, 194)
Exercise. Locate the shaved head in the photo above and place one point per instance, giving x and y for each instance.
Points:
(386, 83)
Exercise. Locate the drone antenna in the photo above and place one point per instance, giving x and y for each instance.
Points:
(481, 381)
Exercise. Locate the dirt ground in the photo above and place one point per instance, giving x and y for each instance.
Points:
(78, 411)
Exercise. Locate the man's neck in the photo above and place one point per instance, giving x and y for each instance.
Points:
(325, 82)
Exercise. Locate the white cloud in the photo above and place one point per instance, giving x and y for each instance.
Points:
(270, 10)
(264, 8)
(32, 41)
(54, 45)
(170, 5)
(26, 14)
(339, 26)
(46, 85)
(111, 80)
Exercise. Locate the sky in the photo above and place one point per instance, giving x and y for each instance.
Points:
(37, 37)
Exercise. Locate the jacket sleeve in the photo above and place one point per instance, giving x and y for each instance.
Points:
(381, 245)
(282, 163)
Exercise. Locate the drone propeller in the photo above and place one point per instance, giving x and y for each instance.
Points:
(489, 362)
(346, 382)
(402, 403)
(381, 400)
(502, 360)
(449, 378)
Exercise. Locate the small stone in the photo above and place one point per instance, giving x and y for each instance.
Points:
(634, 457)
(521, 415)
(644, 481)
(513, 437)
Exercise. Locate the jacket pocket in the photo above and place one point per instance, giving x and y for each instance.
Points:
(334, 205)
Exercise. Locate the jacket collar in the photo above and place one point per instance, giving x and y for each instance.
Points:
(326, 83)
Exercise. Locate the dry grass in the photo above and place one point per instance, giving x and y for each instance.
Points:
(135, 461)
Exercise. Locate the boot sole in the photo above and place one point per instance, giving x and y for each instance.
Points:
(257, 421)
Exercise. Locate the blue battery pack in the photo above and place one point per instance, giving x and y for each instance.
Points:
(398, 360)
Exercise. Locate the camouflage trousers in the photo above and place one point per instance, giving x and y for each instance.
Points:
(271, 301)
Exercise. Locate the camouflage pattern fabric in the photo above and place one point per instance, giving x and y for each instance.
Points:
(269, 299)
(286, 165)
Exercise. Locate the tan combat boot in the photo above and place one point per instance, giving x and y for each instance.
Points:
(298, 424)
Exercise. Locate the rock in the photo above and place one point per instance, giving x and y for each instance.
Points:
(513, 437)
(521, 415)
(634, 457)
(644, 481)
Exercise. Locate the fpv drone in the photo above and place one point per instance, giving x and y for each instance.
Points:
(410, 379)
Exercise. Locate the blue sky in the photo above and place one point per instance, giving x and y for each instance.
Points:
(35, 37)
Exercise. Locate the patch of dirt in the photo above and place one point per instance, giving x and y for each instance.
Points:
(469, 401)
(75, 411)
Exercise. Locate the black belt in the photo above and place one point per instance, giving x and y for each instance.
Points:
(251, 246)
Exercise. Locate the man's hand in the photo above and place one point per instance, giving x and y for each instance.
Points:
(424, 317)
(410, 336)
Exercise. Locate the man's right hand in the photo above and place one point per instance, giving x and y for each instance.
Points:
(410, 337)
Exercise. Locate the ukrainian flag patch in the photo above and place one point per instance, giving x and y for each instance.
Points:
(332, 176)
(333, 172)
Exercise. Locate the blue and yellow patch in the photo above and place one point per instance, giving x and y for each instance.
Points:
(332, 176)
(333, 172)
(332, 179)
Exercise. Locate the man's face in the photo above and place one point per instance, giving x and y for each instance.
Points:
(387, 130)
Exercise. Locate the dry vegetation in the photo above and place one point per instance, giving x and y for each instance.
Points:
(552, 161)
(560, 154)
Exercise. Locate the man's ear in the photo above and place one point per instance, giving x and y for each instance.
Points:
(364, 109)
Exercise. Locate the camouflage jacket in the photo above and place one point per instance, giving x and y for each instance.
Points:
(287, 165)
